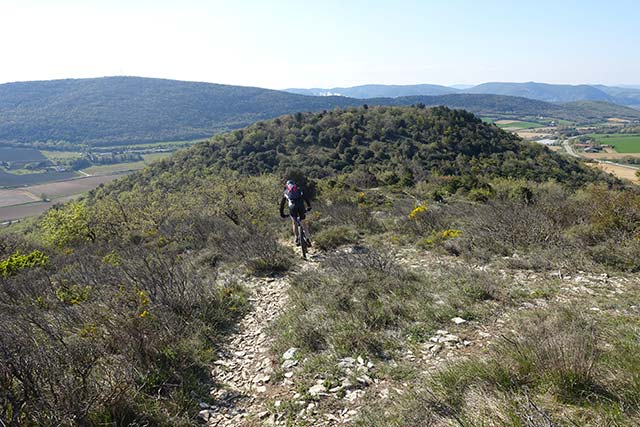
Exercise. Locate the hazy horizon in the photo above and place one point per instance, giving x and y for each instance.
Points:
(287, 44)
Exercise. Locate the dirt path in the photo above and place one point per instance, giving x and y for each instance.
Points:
(243, 373)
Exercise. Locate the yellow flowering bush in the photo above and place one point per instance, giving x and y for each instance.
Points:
(450, 234)
(72, 294)
(18, 262)
(437, 238)
(143, 302)
(418, 211)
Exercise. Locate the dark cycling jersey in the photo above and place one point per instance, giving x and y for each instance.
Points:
(296, 206)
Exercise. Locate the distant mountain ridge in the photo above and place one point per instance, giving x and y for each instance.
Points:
(131, 110)
(378, 91)
(544, 92)
(627, 96)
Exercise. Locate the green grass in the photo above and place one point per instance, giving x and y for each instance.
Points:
(165, 144)
(520, 125)
(125, 167)
(148, 158)
(22, 171)
(115, 168)
(61, 155)
(622, 143)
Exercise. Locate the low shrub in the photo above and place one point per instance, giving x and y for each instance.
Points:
(550, 358)
(111, 334)
(261, 254)
(438, 238)
(335, 236)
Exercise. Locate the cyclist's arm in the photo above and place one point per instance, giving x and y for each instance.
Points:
(282, 202)
(306, 199)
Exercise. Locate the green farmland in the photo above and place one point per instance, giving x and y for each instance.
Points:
(622, 143)
(126, 167)
(519, 125)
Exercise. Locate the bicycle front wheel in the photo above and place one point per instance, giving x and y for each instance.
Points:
(303, 243)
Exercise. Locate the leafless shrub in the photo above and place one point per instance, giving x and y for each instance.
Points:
(361, 259)
(346, 213)
(261, 253)
(560, 347)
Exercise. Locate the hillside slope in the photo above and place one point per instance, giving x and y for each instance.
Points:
(116, 110)
(133, 109)
(385, 143)
(624, 95)
(443, 297)
(627, 96)
(544, 92)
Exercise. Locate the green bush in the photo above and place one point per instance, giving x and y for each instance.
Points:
(335, 236)
(549, 359)
(17, 262)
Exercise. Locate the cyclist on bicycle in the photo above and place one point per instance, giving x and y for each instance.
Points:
(295, 198)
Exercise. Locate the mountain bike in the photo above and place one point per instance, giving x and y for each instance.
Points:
(302, 236)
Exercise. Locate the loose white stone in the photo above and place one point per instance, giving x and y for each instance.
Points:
(205, 414)
(317, 389)
(289, 353)
(288, 364)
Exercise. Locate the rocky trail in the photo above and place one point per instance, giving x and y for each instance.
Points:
(244, 369)
(255, 387)
(243, 373)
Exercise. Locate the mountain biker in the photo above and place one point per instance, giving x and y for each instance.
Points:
(295, 198)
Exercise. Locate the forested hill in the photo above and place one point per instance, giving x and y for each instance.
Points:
(116, 110)
(113, 110)
(379, 145)
(544, 92)
(503, 106)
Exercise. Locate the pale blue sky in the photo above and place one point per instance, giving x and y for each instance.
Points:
(279, 44)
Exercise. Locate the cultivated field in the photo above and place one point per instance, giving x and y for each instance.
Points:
(126, 167)
(25, 202)
(21, 155)
(517, 124)
(54, 190)
(12, 213)
(17, 180)
(533, 134)
(16, 197)
(611, 156)
(622, 143)
(622, 172)
(105, 170)
(61, 155)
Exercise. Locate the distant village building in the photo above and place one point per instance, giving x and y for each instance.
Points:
(547, 141)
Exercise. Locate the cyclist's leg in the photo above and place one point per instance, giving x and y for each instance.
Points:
(292, 215)
(303, 222)
(305, 226)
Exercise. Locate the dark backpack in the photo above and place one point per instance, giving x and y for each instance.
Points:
(293, 193)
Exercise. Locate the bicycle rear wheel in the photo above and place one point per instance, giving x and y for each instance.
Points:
(303, 243)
